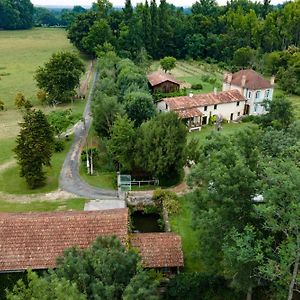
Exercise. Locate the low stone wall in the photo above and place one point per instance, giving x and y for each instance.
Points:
(139, 198)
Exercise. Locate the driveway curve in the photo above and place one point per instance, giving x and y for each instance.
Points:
(70, 179)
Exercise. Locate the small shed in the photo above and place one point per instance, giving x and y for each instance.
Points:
(162, 82)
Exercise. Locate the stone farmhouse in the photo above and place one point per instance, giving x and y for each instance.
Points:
(196, 110)
(162, 82)
(35, 240)
(253, 87)
(243, 94)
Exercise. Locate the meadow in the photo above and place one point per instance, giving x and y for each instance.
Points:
(21, 53)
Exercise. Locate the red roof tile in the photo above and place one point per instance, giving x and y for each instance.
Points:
(254, 81)
(159, 77)
(34, 240)
(159, 249)
(189, 113)
(200, 100)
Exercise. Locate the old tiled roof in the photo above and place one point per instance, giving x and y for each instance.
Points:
(254, 81)
(189, 113)
(159, 77)
(200, 100)
(34, 240)
(159, 249)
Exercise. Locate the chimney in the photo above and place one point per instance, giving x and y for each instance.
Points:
(229, 78)
(272, 80)
(215, 91)
(243, 80)
(191, 95)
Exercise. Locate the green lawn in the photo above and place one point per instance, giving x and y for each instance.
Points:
(12, 183)
(37, 206)
(182, 225)
(21, 52)
(228, 129)
(6, 147)
(104, 180)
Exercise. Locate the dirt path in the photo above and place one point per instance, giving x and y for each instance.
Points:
(52, 196)
(7, 165)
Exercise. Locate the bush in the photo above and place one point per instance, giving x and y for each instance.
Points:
(247, 119)
(197, 86)
(190, 286)
(158, 95)
(166, 199)
(59, 145)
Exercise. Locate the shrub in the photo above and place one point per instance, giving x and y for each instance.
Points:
(166, 199)
(205, 77)
(247, 119)
(197, 86)
(190, 286)
(1, 105)
(59, 145)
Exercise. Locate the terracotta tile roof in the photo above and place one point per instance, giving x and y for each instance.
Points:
(189, 113)
(34, 240)
(159, 249)
(200, 100)
(159, 77)
(254, 81)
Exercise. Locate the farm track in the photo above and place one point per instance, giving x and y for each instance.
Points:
(70, 180)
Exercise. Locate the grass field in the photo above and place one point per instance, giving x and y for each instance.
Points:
(39, 206)
(181, 223)
(12, 183)
(21, 52)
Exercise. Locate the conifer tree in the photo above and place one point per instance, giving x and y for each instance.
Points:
(34, 147)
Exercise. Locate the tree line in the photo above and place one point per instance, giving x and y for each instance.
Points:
(138, 140)
(240, 34)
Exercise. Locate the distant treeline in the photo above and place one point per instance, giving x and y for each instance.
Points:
(21, 14)
(240, 34)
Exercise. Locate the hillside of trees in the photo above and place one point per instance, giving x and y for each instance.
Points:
(241, 34)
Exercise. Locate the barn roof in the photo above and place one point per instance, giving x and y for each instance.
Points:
(200, 100)
(254, 81)
(159, 77)
(159, 249)
(35, 240)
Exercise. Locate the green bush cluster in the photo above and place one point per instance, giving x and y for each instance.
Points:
(197, 86)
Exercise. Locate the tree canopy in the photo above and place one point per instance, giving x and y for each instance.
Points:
(60, 76)
(34, 147)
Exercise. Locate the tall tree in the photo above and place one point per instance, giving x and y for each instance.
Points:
(154, 29)
(122, 141)
(161, 146)
(60, 76)
(104, 270)
(34, 147)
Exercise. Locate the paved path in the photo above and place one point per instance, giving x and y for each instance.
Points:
(70, 179)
